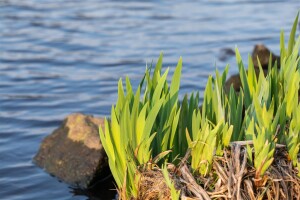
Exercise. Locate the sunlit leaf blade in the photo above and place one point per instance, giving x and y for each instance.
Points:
(292, 36)
(174, 88)
(151, 118)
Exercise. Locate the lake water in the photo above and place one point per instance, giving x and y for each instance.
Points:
(61, 56)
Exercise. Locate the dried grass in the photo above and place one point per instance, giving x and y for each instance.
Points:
(152, 186)
(231, 178)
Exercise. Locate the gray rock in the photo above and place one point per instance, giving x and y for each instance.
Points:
(73, 152)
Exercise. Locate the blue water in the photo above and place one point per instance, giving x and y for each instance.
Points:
(61, 56)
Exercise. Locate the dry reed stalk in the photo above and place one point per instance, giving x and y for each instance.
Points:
(231, 178)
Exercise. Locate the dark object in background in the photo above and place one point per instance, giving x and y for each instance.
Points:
(73, 152)
(235, 81)
(225, 54)
(263, 53)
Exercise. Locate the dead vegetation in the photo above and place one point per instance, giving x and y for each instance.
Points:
(231, 178)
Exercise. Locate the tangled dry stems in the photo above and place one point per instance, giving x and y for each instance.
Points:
(152, 186)
(231, 178)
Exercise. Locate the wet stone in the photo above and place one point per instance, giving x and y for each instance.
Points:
(225, 54)
(263, 54)
(73, 152)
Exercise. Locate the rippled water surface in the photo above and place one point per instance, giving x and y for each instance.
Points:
(61, 56)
